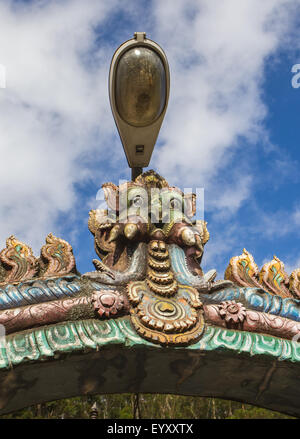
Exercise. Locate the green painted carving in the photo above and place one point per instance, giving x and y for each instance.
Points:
(86, 335)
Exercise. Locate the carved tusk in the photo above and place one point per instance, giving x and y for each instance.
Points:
(114, 233)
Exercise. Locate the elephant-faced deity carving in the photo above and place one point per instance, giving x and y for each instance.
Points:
(149, 274)
(138, 239)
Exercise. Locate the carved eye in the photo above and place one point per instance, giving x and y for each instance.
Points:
(137, 201)
(175, 204)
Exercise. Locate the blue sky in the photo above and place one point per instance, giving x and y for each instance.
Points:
(231, 124)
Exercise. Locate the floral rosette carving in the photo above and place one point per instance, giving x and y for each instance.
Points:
(107, 303)
(232, 311)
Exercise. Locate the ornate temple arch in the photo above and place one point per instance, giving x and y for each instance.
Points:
(148, 319)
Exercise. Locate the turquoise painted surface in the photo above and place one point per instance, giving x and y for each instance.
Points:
(42, 290)
(88, 335)
(38, 291)
(254, 298)
(258, 299)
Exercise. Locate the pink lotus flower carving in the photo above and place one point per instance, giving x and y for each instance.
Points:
(232, 312)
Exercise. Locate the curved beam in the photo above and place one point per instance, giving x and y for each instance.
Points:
(94, 357)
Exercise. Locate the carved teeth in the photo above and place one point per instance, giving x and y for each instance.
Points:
(130, 230)
(183, 325)
(159, 324)
(177, 325)
(188, 237)
(168, 327)
(152, 323)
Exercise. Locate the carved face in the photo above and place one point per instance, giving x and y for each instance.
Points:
(147, 209)
(150, 205)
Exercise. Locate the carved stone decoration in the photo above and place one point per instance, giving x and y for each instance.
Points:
(58, 256)
(148, 293)
(163, 311)
(274, 278)
(18, 260)
(252, 321)
(108, 303)
(294, 283)
(232, 312)
(167, 321)
(243, 271)
(149, 270)
(21, 318)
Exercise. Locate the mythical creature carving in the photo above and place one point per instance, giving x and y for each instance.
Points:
(151, 212)
(149, 274)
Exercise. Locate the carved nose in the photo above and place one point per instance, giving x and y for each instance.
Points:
(155, 213)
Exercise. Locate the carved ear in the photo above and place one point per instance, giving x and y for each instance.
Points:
(190, 204)
(201, 225)
(93, 223)
(111, 194)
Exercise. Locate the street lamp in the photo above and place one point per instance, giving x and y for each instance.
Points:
(139, 84)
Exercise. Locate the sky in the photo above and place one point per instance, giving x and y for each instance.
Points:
(231, 126)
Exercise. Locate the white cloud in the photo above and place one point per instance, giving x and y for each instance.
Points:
(296, 217)
(290, 266)
(55, 111)
(50, 110)
(217, 54)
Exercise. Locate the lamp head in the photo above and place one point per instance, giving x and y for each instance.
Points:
(139, 84)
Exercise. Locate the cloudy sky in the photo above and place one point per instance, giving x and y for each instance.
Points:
(231, 125)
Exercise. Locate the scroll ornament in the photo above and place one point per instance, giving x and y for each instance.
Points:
(243, 271)
(18, 263)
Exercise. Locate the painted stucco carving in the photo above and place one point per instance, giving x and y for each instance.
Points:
(148, 273)
(243, 271)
